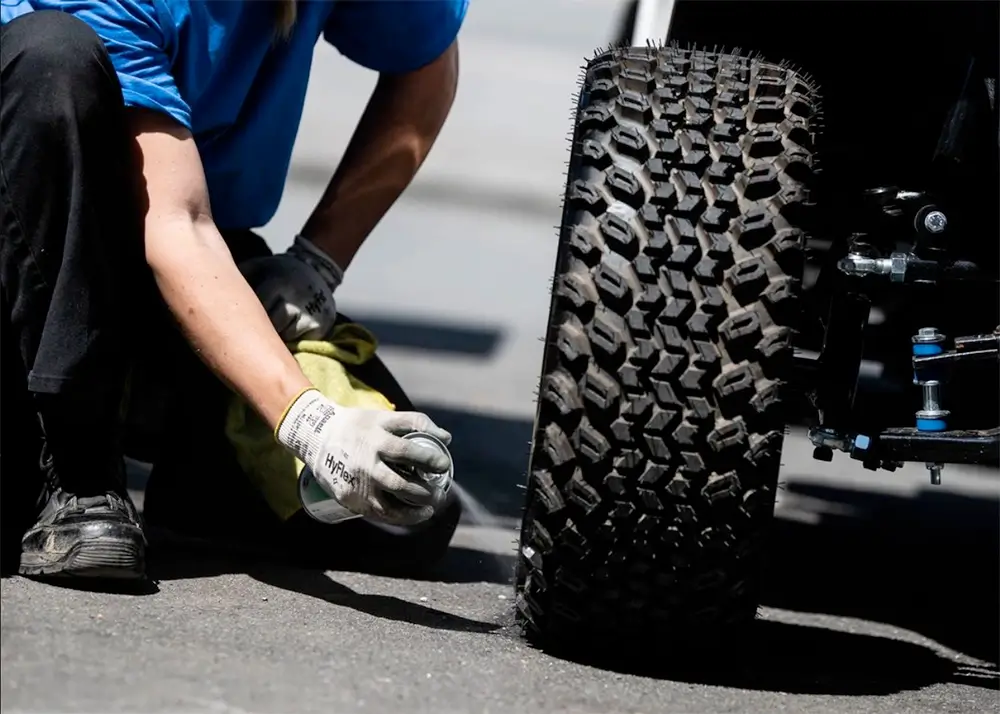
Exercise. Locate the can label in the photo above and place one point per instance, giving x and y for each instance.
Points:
(324, 508)
(318, 503)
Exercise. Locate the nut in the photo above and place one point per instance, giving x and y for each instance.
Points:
(897, 267)
(928, 335)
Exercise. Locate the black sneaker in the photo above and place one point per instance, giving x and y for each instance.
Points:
(96, 536)
(87, 526)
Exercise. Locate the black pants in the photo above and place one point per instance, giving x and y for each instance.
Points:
(71, 239)
(70, 243)
(83, 324)
(82, 318)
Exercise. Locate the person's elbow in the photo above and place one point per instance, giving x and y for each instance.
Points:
(178, 231)
(173, 239)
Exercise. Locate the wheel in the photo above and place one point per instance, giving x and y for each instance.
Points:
(659, 423)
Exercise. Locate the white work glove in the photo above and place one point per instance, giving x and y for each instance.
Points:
(296, 288)
(347, 449)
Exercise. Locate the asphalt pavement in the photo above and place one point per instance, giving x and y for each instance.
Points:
(882, 589)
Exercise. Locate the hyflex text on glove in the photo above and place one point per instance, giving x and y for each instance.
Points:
(297, 289)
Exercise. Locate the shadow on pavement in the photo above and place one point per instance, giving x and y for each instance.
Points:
(209, 559)
(928, 563)
(176, 564)
(795, 659)
(428, 336)
(316, 584)
(468, 565)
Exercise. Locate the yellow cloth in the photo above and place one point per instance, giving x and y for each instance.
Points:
(269, 466)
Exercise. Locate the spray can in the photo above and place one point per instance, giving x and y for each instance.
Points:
(324, 508)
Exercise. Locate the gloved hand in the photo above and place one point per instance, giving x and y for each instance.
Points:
(347, 448)
(296, 288)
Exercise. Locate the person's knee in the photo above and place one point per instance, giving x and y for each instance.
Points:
(63, 62)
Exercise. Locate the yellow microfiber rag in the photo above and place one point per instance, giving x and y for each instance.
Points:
(268, 465)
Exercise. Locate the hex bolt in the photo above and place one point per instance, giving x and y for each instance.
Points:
(935, 222)
(932, 410)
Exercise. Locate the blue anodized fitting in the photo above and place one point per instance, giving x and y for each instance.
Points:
(927, 342)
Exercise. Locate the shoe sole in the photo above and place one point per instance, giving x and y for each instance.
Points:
(115, 552)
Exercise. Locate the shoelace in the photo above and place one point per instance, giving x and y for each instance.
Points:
(109, 501)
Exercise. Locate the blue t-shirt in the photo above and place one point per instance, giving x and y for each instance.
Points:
(217, 67)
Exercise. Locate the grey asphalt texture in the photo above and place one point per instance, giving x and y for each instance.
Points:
(882, 590)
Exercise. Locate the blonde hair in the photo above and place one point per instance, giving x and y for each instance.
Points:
(284, 17)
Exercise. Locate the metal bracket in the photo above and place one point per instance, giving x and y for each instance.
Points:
(980, 448)
(975, 348)
(893, 447)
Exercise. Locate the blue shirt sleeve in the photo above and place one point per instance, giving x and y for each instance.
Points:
(11, 9)
(138, 35)
(394, 36)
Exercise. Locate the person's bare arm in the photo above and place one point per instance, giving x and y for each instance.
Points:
(400, 124)
(215, 307)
